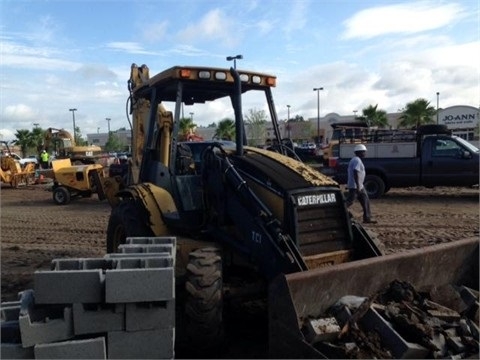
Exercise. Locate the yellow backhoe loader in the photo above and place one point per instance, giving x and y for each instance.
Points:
(250, 223)
(62, 143)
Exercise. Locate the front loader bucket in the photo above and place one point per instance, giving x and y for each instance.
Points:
(302, 295)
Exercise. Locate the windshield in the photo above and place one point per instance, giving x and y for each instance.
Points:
(466, 144)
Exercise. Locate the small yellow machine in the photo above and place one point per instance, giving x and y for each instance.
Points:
(72, 181)
(11, 172)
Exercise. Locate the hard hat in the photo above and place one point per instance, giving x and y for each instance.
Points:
(359, 147)
(43, 151)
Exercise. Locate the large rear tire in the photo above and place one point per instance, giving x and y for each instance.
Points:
(126, 220)
(204, 302)
(375, 186)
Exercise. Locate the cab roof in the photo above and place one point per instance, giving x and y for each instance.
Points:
(201, 84)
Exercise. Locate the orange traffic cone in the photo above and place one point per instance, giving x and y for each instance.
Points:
(40, 179)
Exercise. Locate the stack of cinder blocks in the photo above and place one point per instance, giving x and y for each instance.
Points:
(121, 306)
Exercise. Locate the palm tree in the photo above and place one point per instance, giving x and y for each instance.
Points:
(416, 113)
(225, 130)
(186, 127)
(374, 117)
(25, 140)
(38, 135)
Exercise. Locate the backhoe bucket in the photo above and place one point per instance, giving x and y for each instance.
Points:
(299, 296)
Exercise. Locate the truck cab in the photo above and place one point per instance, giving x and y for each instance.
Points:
(449, 161)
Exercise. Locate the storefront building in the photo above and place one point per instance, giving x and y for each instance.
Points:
(462, 120)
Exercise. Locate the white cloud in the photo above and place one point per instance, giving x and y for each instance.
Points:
(128, 47)
(297, 18)
(215, 25)
(155, 32)
(404, 18)
(19, 112)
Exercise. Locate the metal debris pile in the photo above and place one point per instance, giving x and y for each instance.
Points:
(399, 322)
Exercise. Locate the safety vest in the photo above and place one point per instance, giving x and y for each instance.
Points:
(44, 156)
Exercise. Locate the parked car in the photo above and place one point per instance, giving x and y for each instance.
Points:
(24, 161)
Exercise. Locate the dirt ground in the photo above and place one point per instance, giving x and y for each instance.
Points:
(34, 230)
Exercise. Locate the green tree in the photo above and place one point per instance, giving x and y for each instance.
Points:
(374, 117)
(113, 143)
(225, 130)
(416, 113)
(186, 127)
(212, 125)
(297, 118)
(79, 140)
(24, 139)
(38, 135)
(256, 120)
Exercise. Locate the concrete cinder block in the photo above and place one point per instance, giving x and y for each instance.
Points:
(115, 256)
(75, 349)
(149, 316)
(146, 248)
(9, 310)
(323, 329)
(400, 348)
(15, 351)
(155, 240)
(139, 285)
(80, 264)
(98, 318)
(48, 329)
(143, 261)
(150, 344)
(69, 286)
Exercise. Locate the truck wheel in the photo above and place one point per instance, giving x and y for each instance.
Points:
(375, 186)
(204, 301)
(126, 220)
(61, 195)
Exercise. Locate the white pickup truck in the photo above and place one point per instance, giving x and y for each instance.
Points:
(24, 161)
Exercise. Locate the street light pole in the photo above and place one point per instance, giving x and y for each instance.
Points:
(318, 112)
(108, 120)
(288, 120)
(234, 58)
(355, 114)
(191, 117)
(438, 96)
(74, 131)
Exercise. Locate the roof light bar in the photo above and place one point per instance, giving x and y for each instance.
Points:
(220, 76)
(185, 73)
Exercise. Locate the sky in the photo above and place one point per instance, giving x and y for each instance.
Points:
(62, 54)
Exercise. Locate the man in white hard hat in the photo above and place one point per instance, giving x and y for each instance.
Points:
(356, 177)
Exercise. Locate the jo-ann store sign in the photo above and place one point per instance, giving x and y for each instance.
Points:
(459, 117)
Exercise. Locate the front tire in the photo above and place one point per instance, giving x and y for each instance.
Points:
(126, 220)
(204, 301)
(375, 186)
(61, 195)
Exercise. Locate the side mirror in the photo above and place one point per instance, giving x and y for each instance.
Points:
(466, 155)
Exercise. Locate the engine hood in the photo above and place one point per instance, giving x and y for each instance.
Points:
(287, 173)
